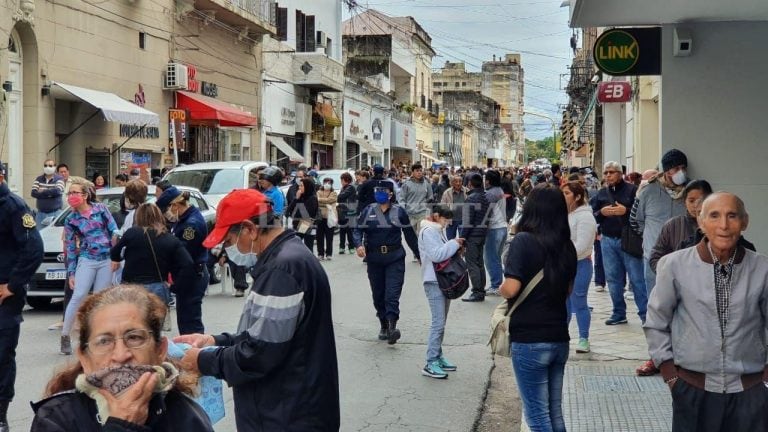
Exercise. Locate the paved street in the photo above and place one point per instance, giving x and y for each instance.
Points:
(381, 386)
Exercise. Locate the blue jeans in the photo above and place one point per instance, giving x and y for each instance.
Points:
(438, 306)
(618, 264)
(494, 247)
(452, 230)
(159, 289)
(539, 370)
(577, 301)
(88, 274)
(599, 270)
(650, 277)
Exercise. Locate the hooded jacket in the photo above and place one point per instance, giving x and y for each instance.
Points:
(434, 247)
(583, 230)
(654, 208)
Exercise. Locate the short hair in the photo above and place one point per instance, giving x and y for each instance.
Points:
(62, 165)
(416, 166)
(363, 173)
(457, 178)
(443, 210)
(493, 178)
(555, 168)
(136, 191)
(121, 177)
(741, 209)
(612, 165)
(577, 190)
(476, 180)
(699, 185)
(346, 177)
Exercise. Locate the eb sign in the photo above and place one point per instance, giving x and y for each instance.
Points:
(617, 91)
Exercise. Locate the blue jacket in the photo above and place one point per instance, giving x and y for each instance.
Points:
(376, 228)
(278, 200)
(20, 256)
(192, 230)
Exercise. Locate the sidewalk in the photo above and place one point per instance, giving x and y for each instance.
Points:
(601, 391)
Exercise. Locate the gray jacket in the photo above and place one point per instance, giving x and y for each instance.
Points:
(682, 327)
(414, 196)
(652, 209)
(497, 210)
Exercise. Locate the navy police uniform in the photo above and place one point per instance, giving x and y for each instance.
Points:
(20, 256)
(192, 230)
(380, 232)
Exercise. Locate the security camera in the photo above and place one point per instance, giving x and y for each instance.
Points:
(595, 78)
(683, 42)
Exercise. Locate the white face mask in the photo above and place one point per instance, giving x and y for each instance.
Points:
(49, 170)
(172, 217)
(246, 260)
(679, 178)
(327, 186)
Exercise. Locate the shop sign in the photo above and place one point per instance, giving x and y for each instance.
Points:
(288, 117)
(209, 89)
(147, 132)
(614, 91)
(629, 51)
(139, 98)
(193, 85)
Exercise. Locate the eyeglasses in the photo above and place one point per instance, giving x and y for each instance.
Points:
(75, 193)
(609, 172)
(105, 344)
(49, 166)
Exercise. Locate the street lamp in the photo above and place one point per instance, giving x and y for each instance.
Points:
(554, 131)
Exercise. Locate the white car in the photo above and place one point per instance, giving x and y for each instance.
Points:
(49, 279)
(216, 179)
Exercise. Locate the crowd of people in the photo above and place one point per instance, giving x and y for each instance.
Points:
(669, 244)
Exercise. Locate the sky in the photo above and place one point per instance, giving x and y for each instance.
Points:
(473, 31)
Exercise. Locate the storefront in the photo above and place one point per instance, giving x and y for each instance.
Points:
(403, 143)
(287, 123)
(363, 135)
(213, 130)
(324, 124)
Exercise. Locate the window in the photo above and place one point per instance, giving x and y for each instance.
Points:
(281, 22)
(457, 84)
(464, 84)
(142, 40)
(305, 32)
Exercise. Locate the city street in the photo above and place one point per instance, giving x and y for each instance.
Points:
(382, 388)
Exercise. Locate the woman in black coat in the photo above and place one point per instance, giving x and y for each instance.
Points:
(303, 211)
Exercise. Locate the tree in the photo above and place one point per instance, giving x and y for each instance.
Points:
(543, 148)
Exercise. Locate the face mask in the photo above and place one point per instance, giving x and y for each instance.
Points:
(74, 201)
(246, 260)
(381, 197)
(327, 186)
(49, 170)
(679, 178)
(172, 218)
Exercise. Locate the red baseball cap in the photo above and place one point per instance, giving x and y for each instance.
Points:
(238, 206)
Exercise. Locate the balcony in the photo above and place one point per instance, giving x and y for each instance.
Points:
(253, 17)
(318, 72)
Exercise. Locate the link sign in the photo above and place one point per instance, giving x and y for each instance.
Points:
(629, 51)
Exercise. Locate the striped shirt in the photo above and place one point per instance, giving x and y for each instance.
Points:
(92, 232)
(48, 193)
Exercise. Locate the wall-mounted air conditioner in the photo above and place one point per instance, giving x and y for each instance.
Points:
(176, 77)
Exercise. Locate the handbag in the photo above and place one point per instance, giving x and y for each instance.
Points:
(167, 324)
(333, 217)
(499, 340)
(304, 226)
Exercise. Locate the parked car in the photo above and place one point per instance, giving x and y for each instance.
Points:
(215, 179)
(49, 280)
(322, 175)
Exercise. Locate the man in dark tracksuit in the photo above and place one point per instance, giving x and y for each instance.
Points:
(474, 229)
(378, 239)
(20, 256)
(281, 363)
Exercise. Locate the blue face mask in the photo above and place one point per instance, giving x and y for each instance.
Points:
(246, 260)
(381, 197)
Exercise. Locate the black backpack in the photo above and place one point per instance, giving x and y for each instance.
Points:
(452, 276)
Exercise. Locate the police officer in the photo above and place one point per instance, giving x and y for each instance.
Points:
(189, 226)
(20, 256)
(378, 239)
(365, 193)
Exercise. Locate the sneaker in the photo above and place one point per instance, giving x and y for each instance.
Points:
(647, 369)
(239, 293)
(474, 297)
(172, 302)
(56, 326)
(583, 346)
(599, 288)
(328, 257)
(629, 295)
(615, 321)
(351, 251)
(66, 346)
(433, 370)
(320, 257)
(446, 365)
(492, 292)
(341, 251)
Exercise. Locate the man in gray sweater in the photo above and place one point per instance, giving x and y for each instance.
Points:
(415, 196)
(706, 325)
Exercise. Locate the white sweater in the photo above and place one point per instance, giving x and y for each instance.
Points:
(433, 248)
(583, 230)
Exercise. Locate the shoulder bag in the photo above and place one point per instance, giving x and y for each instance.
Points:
(499, 340)
(167, 326)
(452, 275)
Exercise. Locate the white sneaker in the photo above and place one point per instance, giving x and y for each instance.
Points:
(629, 295)
(599, 288)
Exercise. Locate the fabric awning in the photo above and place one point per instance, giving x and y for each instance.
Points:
(365, 146)
(112, 107)
(206, 108)
(286, 148)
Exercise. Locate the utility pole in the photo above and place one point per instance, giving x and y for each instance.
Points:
(554, 131)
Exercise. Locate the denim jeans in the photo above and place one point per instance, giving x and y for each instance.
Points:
(88, 274)
(539, 370)
(159, 289)
(438, 306)
(494, 247)
(577, 301)
(599, 269)
(650, 277)
(618, 264)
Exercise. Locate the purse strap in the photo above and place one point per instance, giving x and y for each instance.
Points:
(154, 257)
(528, 288)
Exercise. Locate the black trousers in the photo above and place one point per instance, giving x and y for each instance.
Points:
(9, 340)
(309, 240)
(324, 238)
(189, 304)
(386, 277)
(345, 235)
(475, 263)
(238, 276)
(696, 410)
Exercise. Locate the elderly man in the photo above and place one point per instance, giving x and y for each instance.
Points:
(706, 325)
(455, 196)
(611, 209)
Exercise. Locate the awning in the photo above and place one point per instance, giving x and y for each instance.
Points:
(112, 107)
(365, 146)
(286, 148)
(433, 159)
(206, 108)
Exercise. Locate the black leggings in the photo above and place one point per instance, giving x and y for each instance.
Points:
(324, 238)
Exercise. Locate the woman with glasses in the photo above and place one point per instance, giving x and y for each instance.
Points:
(120, 342)
(88, 233)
